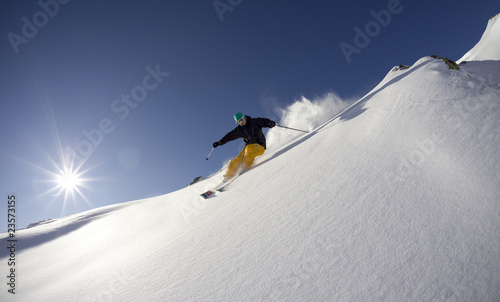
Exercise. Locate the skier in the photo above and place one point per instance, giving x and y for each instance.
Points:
(250, 130)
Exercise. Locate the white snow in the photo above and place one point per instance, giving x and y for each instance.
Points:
(395, 199)
(487, 48)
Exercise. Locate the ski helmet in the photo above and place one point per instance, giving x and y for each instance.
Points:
(238, 116)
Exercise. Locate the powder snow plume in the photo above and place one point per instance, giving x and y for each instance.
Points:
(306, 115)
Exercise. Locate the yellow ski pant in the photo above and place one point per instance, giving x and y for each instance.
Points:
(244, 159)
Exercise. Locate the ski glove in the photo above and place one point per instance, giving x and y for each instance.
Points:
(271, 124)
(216, 144)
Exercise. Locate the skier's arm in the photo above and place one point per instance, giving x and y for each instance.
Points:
(230, 136)
(265, 122)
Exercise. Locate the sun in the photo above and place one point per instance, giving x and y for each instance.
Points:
(64, 179)
(68, 181)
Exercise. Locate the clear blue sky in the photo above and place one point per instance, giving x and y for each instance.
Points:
(150, 85)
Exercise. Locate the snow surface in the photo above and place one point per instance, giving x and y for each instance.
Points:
(488, 47)
(397, 198)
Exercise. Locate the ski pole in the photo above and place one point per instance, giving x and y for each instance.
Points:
(210, 153)
(292, 128)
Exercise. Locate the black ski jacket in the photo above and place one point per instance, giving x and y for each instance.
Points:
(251, 133)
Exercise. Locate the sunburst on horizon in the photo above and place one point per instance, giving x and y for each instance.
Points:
(65, 178)
(68, 182)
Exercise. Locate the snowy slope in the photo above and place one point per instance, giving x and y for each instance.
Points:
(395, 199)
(487, 48)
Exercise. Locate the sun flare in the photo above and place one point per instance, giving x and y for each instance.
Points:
(62, 180)
(68, 181)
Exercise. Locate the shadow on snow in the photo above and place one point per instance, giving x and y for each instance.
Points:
(25, 242)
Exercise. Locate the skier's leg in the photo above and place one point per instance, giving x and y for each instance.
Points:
(251, 152)
(234, 165)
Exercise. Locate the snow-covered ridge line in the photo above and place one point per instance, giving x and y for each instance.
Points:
(487, 47)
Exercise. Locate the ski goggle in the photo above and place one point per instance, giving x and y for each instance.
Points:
(241, 120)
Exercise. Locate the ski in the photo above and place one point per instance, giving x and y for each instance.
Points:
(219, 188)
